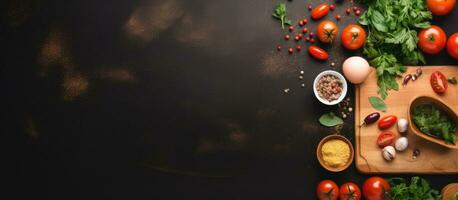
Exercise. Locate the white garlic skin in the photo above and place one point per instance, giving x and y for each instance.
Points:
(389, 153)
(401, 144)
(402, 125)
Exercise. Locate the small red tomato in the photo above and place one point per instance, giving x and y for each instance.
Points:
(299, 48)
(278, 48)
(452, 46)
(312, 40)
(338, 17)
(432, 40)
(376, 188)
(287, 37)
(310, 7)
(387, 121)
(291, 28)
(332, 7)
(327, 190)
(290, 50)
(300, 23)
(348, 11)
(350, 191)
(305, 21)
(385, 138)
(358, 13)
(320, 11)
(304, 30)
(440, 7)
(318, 52)
(438, 82)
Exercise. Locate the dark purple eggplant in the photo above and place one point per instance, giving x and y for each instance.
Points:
(371, 118)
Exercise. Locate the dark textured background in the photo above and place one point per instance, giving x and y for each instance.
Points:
(164, 100)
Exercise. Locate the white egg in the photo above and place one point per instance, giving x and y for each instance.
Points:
(356, 69)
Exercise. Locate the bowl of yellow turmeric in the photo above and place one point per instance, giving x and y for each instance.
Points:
(335, 153)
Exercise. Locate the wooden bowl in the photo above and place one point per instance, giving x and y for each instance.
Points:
(449, 191)
(421, 100)
(320, 156)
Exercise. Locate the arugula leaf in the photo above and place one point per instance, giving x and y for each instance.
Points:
(430, 120)
(330, 120)
(280, 14)
(392, 39)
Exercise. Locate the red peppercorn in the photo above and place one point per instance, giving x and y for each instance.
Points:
(348, 11)
(287, 37)
(300, 35)
(305, 21)
(338, 17)
(355, 8)
(312, 40)
(311, 34)
(278, 48)
(297, 38)
(291, 28)
(307, 39)
(301, 23)
(310, 8)
(332, 7)
(304, 30)
(299, 48)
(358, 13)
(290, 50)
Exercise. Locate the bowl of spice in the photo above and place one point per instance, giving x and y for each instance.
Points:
(330, 87)
(335, 153)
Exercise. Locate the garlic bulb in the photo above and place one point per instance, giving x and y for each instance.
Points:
(401, 144)
(402, 125)
(389, 153)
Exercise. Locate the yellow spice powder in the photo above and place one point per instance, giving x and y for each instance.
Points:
(335, 153)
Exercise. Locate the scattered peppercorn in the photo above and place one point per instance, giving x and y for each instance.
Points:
(297, 38)
(304, 30)
(310, 8)
(278, 48)
(358, 13)
(305, 21)
(291, 28)
(290, 50)
(348, 11)
(312, 40)
(287, 37)
(299, 48)
(332, 7)
(338, 17)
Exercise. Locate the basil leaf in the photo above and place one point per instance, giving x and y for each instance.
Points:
(330, 120)
(452, 80)
(377, 103)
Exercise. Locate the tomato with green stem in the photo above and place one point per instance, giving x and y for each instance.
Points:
(452, 46)
(440, 7)
(327, 31)
(376, 188)
(350, 191)
(353, 37)
(432, 40)
(327, 190)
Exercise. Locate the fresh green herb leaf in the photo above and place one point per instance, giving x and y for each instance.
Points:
(432, 121)
(417, 189)
(330, 120)
(452, 80)
(392, 39)
(280, 14)
(377, 103)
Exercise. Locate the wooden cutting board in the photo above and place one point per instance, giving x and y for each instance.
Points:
(433, 159)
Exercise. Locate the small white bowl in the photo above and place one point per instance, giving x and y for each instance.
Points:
(344, 87)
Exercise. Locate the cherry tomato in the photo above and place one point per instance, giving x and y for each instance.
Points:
(452, 46)
(440, 7)
(327, 190)
(387, 121)
(438, 82)
(350, 191)
(327, 31)
(376, 188)
(385, 138)
(432, 40)
(318, 52)
(353, 37)
(320, 11)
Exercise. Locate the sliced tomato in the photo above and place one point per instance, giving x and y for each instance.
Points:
(385, 138)
(318, 53)
(438, 82)
(320, 11)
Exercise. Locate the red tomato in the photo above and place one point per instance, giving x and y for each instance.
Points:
(318, 53)
(385, 138)
(376, 188)
(350, 191)
(327, 190)
(387, 121)
(438, 82)
(327, 31)
(452, 46)
(353, 37)
(440, 7)
(432, 40)
(320, 11)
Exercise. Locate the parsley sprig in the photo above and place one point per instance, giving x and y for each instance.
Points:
(280, 14)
